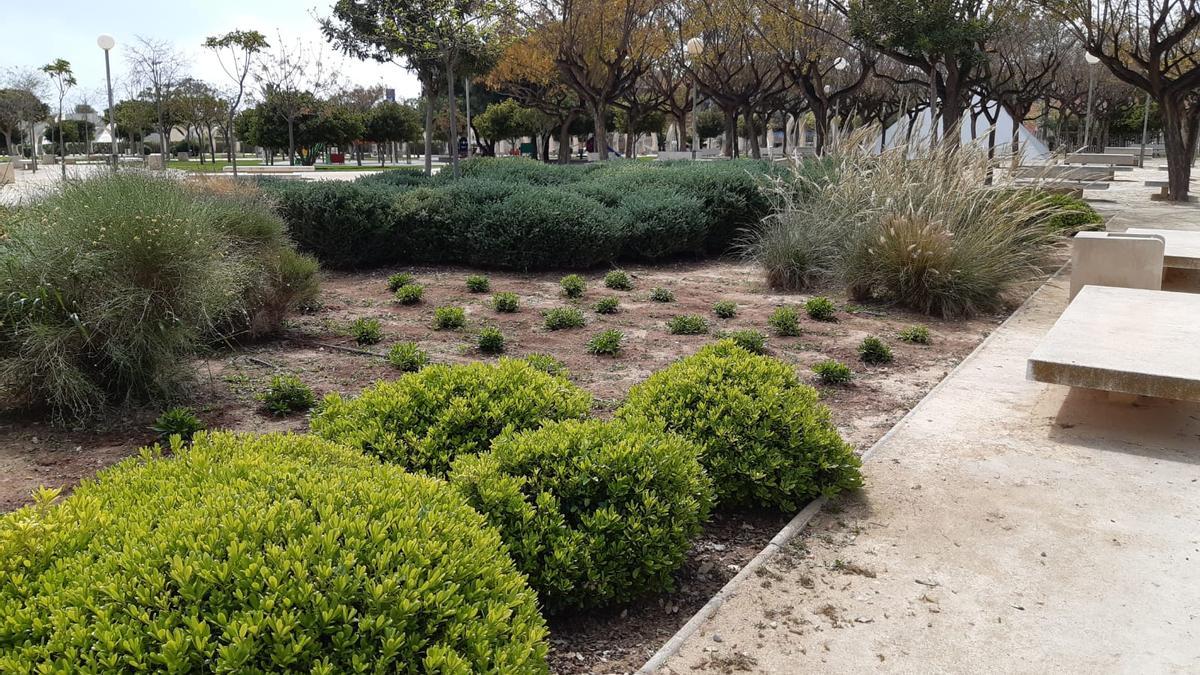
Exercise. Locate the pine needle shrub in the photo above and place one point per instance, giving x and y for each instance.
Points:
(767, 440)
(424, 420)
(594, 513)
(239, 554)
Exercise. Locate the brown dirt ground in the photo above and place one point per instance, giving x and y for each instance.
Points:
(33, 453)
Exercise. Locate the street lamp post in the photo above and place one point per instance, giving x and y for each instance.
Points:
(839, 65)
(1087, 125)
(694, 47)
(1145, 128)
(106, 42)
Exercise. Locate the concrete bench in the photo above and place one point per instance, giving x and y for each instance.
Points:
(1062, 171)
(269, 168)
(1073, 188)
(1164, 191)
(1101, 159)
(1131, 341)
(1182, 247)
(1128, 260)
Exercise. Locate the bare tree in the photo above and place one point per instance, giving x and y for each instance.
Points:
(1153, 45)
(236, 52)
(155, 65)
(292, 77)
(59, 72)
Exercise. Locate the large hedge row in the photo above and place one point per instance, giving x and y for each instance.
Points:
(522, 214)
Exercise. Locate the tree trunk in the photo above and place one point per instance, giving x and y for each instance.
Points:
(452, 114)
(291, 122)
(820, 110)
(730, 149)
(1179, 159)
(752, 134)
(564, 140)
(601, 132)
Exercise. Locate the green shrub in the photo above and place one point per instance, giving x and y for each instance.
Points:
(343, 224)
(449, 318)
(505, 302)
(398, 280)
(111, 286)
(491, 340)
(820, 308)
(541, 228)
(687, 324)
(396, 177)
(767, 440)
(607, 305)
(238, 555)
(785, 321)
(561, 318)
(918, 335)
(657, 223)
(286, 394)
(409, 294)
(178, 421)
(407, 357)
(594, 513)
(477, 283)
(547, 364)
(573, 286)
(1066, 214)
(366, 331)
(618, 280)
(606, 342)
(832, 372)
(874, 351)
(725, 309)
(662, 295)
(424, 420)
(750, 340)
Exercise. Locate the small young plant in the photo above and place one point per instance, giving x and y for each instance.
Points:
(832, 372)
(563, 317)
(820, 308)
(449, 317)
(366, 331)
(618, 280)
(477, 283)
(917, 335)
(687, 324)
(399, 280)
(662, 295)
(178, 421)
(607, 305)
(505, 302)
(547, 364)
(725, 309)
(785, 322)
(491, 340)
(409, 294)
(606, 343)
(573, 286)
(750, 340)
(286, 395)
(874, 351)
(407, 357)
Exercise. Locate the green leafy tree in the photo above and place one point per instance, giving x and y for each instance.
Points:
(60, 74)
(134, 118)
(507, 120)
(17, 108)
(72, 131)
(236, 51)
(391, 122)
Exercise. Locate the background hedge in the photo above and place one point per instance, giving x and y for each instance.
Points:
(272, 553)
(525, 215)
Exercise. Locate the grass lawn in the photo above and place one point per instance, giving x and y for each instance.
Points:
(208, 167)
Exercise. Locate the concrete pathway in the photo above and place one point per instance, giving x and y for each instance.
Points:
(1006, 526)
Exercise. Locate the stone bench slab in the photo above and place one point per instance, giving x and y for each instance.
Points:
(1182, 246)
(270, 169)
(1125, 340)
(1101, 159)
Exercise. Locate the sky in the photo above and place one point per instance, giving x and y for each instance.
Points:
(37, 34)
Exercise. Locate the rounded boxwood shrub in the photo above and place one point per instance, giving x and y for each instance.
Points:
(490, 340)
(618, 280)
(287, 394)
(767, 439)
(275, 553)
(687, 324)
(506, 302)
(424, 420)
(820, 308)
(542, 228)
(594, 513)
(658, 222)
(831, 371)
(606, 343)
(561, 318)
(399, 279)
(449, 317)
(343, 224)
(785, 321)
(478, 283)
(751, 340)
(725, 309)
(874, 351)
(409, 294)
(573, 285)
(407, 357)
(608, 305)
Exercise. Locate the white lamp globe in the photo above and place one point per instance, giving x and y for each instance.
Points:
(106, 42)
(1091, 58)
(694, 47)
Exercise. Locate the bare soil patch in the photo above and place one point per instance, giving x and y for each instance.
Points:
(613, 641)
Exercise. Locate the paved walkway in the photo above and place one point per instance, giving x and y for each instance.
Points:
(1007, 526)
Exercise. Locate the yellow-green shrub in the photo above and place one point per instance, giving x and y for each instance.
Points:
(424, 420)
(593, 512)
(272, 553)
(767, 439)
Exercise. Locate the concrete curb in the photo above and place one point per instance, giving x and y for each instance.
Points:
(801, 520)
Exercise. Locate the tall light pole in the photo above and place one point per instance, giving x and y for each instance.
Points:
(1145, 128)
(839, 65)
(1087, 125)
(106, 42)
(694, 47)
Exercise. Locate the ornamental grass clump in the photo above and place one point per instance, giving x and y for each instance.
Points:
(767, 440)
(424, 420)
(111, 286)
(594, 513)
(237, 555)
(915, 226)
